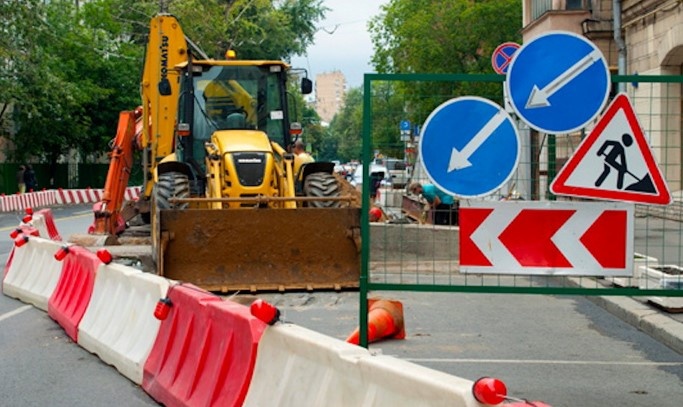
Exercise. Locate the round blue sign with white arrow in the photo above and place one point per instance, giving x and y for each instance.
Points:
(558, 82)
(469, 147)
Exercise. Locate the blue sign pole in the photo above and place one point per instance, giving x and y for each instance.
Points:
(469, 147)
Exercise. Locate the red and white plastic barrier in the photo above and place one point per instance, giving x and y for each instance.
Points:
(45, 224)
(9, 203)
(205, 351)
(88, 195)
(119, 324)
(299, 367)
(50, 226)
(74, 289)
(18, 202)
(33, 273)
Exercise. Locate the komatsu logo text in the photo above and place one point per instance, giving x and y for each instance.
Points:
(164, 83)
(164, 57)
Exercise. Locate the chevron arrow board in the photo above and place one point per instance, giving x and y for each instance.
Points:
(546, 238)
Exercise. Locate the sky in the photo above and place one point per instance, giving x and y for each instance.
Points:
(342, 41)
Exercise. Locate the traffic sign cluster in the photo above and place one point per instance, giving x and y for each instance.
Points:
(557, 83)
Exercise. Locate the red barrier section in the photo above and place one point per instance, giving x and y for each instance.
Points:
(50, 224)
(74, 289)
(8, 263)
(204, 353)
(28, 231)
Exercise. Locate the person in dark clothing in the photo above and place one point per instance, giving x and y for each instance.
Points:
(375, 183)
(30, 179)
(20, 179)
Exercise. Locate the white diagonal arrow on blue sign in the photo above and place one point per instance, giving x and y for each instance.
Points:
(460, 159)
(539, 97)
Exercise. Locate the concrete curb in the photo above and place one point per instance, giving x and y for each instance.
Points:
(661, 327)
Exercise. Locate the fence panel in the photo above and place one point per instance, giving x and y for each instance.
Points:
(410, 253)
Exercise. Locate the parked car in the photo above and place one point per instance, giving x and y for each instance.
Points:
(381, 170)
(398, 171)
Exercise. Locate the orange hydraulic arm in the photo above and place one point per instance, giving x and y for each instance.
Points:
(108, 218)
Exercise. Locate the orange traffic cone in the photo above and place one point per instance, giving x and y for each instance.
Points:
(385, 320)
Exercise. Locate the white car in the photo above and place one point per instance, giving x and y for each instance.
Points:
(357, 178)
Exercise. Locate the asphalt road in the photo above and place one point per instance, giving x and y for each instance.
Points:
(39, 364)
(563, 350)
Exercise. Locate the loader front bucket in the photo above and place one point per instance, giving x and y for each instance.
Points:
(224, 250)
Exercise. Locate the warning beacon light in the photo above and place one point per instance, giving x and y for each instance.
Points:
(61, 253)
(163, 308)
(21, 240)
(104, 256)
(13, 234)
(265, 312)
(490, 391)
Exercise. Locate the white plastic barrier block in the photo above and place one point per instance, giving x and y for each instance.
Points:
(299, 367)
(38, 222)
(34, 273)
(119, 324)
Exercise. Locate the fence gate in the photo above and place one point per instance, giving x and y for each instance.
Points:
(599, 247)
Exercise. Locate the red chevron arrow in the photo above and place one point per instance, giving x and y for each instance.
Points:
(605, 239)
(528, 236)
(470, 219)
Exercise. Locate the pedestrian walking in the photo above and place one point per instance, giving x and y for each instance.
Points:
(21, 185)
(30, 179)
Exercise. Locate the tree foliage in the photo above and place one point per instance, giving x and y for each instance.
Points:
(67, 70)
(347, 126)
(256, 29)
(430, 36)
(68, 83)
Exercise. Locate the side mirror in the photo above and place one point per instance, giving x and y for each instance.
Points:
(306, 86)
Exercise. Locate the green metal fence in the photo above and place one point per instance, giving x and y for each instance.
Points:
(406, 254)
(66, 176)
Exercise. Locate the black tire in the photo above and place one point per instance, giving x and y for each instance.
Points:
(172, 185)
(322, 185)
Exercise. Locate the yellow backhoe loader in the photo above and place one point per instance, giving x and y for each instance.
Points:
(227, 211)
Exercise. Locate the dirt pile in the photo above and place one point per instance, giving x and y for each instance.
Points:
(346, 189)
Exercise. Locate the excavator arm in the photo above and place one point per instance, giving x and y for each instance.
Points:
(108, 218)
(149, 128)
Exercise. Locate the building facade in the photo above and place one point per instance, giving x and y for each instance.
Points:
(330, 88)
(648, 41)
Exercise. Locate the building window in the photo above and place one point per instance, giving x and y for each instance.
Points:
(575, 4)
(538, 7)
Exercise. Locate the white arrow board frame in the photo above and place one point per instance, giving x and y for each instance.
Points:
(487, 236)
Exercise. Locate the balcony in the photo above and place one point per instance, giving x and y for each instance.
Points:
(548, 15)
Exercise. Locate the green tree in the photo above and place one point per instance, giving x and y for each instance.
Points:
(19, 29)
(430, 36)
(256, 29)
(68, 71)
(71, 84)
(347, 126)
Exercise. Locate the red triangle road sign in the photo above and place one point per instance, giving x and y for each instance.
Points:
(614, 162)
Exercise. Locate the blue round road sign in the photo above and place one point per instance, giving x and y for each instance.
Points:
(405, 125)
(469, 147)
(558, 82)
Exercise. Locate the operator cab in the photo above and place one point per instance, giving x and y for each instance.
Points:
(230, 95)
